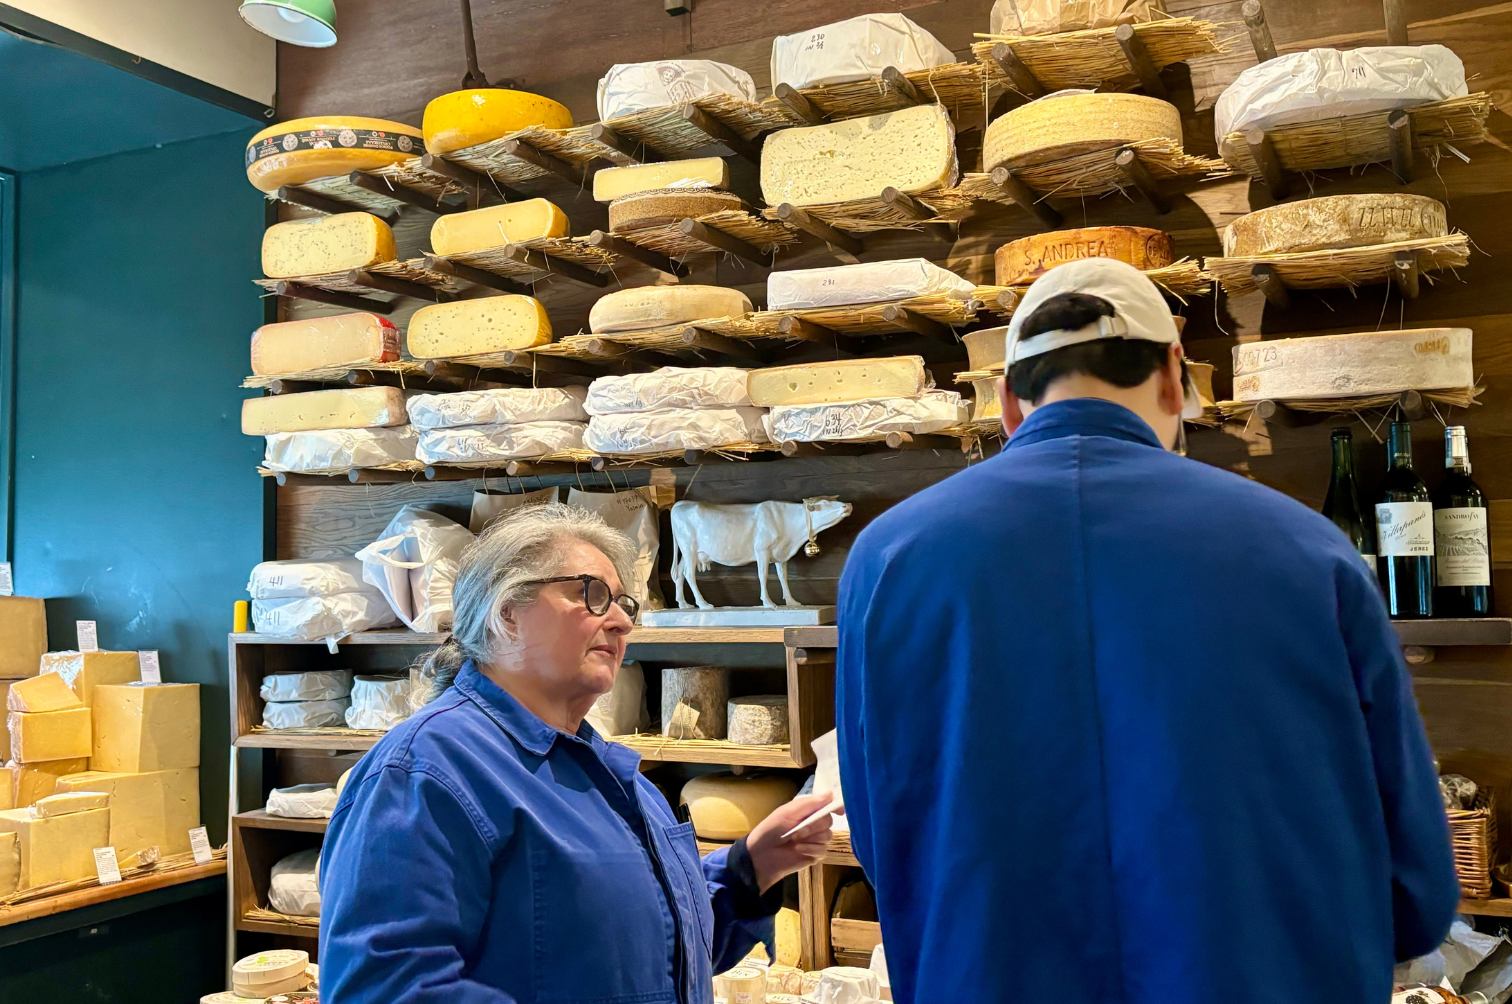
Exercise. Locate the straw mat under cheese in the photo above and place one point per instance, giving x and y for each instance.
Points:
(1341, 267)
(1093, 56)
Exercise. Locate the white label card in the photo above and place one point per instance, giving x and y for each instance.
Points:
(89, 636)
(105, 865)
(151, 671)
(199, 843)
(1405, 529)
(7, 583)
(1462, 543)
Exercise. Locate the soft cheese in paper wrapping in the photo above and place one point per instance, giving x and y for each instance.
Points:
(623, 710)
(305, 714)
(1043, 17)
(274, 580)
(500, 406)
(669, 387)
(635, 87)
(312, 618)
(869, 282)
(857, 49)
(317, 685)
(1330, 83)
(846, 985)
(675, 429)
(414, 565)
(378, 702)
(477, 443)
(295, 885)
(831, 423)
(633, 513)
(489, 504)
(339, 449)
(302, 801)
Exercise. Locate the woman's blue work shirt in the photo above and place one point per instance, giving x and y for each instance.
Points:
(479, 856)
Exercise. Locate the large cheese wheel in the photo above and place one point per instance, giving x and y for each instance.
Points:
(726, 807)
(492, 226)
(987, 348)
(654, 209)
(318, 342)
(644, 307)
(1058, 127)
(301, 150)
(838, 382)
(912, 150)
(478, 327)
(1335, 221)
(462, 119)
(1022, 261)
(1372, 362)
(322, 244)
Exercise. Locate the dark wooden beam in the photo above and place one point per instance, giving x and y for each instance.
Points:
(626, 150)
(838, 240)
(1134, 171)
(329, 206)
(907, 204)
(1259, 31)
(1280, 414)
(1395, 12)
(653, 259)
(739, 352)
(718, 132)
(557, 266)
(480, 187)
(918, 323)
(574, 174)
(1271, 285)
(1404, 272)
(1277, 179)
(334, 298)
(1399, 124)
(725, 242)
(1019, 76)
(1022, 194)
(799, 105)
(477, 276)
(816, 334)
(397, 286)
(409, 196)
(1139, 61)
(894, 78)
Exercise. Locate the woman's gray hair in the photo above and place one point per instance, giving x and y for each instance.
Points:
(497, 570)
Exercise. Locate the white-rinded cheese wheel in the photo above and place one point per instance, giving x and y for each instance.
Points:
(478, 327)
(868, 282)
(323, 146)
(758, 721)
(270, 967)
(655, 209)
(1022, 261)
(316, 410)
(342, 781)
(1335, 221)
(742, 985)
(1379, 362)
(847, 985)
(262, 991)
(838, 382)
(462, 119)
(317, 342)
(912, 150)
(694, 702)
(726, 807)
(1057, 127)
(654, 306)
(703, 172)
(323, 244)
(494, 226)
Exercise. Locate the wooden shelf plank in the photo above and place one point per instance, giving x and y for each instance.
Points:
(270, 927)
(839, 851)
(1487, 907)
(361, 638)
(49, 905)
(823, 636)
(1456, 631)
(260, 820)
(275, 740)
(640, 636)
(667, 750)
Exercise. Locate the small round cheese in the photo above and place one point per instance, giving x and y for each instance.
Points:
(301, 150)
(758, 721)
(270, 967)
(1022, 261)
(671, 205)
(726, 807)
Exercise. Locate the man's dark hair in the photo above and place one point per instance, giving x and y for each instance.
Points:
(1122, 362)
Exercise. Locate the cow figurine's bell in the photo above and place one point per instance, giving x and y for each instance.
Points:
(811, 548)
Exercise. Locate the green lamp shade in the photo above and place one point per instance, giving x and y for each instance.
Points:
(298, 22)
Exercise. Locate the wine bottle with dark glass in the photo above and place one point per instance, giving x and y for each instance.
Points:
(1461, 536)
(1404, 531)
(1343, 502)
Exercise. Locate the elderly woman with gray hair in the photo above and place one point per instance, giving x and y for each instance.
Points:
(494, 849)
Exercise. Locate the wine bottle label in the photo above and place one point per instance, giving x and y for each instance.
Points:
(1404, 529)
(1462, 544)
(1370, 562)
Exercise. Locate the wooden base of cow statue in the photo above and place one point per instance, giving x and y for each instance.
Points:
(768, 533)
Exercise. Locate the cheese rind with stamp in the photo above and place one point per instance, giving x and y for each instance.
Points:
(681, 175)
(495, 226)
(462, 119)
(317, 342)
(912, 150)
(643, 307)
(1071, 124)
(667, 206)
(1022, 261)
(838, 382)
(316, 410)
(301, 150)
(326, 244)
(1335, 221)
(478, 327)
(1379, 362)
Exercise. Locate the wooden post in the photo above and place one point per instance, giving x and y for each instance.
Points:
(725, 242)
(397, 286)
(1411, 403)
(1020, 77)
(626, 150)
(790, 97)
(476, 276)
(817, 334)
(1259, 31)
(1280, 414)
(652, 259)
(1271, 285)
(1405, 273)
(1396, 21)
(794, 449)
(718, 132)
(527, 468)
(907, 441)
(1277, 179)
(480, 187)
(393, 190)
(910, 320)
(738, 352)
(678, 7)
(530, 362)
(907, 204)
(609, 351)
(1007, 300)
(1139, 61)
(838, 240)
(334, 298)
(557, 266)
(894, 78)
(1399, 124)
(1025, 197)
(282, 386)
(326, 204)
(1134, 171)
(580, 175)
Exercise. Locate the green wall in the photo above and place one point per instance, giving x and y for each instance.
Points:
(136, 503)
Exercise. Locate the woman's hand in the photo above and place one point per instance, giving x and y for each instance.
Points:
(775, 858)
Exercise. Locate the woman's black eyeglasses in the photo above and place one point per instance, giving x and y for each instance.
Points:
(596, 594)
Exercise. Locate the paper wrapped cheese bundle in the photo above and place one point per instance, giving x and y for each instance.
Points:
(636, 87)
(1335, 221)
(306, 714)
(669, 387)
(500, 406)
(862, 420)
(856, 49)
(1044, 17)
(622, 710)
(485, 443)
(378, 702)
(272, 580)
(414, 563)
(339, 449)
(295, 885)
(302, 801)
(311, 618)
(309, 600)
(1069, 123)
(868, 282)
(670, 429)
(846, 985)
(326, 146)
(316, 685)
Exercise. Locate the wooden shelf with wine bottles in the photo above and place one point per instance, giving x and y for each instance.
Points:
(1443, 631)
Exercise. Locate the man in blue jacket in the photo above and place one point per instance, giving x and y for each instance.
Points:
(1117, 726)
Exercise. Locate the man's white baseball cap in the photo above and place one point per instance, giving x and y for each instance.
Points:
(1139, 311)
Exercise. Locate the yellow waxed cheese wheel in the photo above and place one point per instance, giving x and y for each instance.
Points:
(1060, 127)
(494, 226)
(478, 327)
(301, 150)
(462, 119)
(726, 807)
(1022, 261)
(325, 244)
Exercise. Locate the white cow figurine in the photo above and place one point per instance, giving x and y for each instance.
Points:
(764, 532)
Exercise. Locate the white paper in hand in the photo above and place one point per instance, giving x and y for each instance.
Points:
(826, 781)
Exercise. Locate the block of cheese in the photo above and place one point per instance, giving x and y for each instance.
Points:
(868, 282)
(323, 146)
(674, 429)
(669, 387)
(318, 342)
(10, 863)
(49, 735)
(1372, 362)
(462, 119)
(912, 150)
(1073, 123)
(642, 307)
(339, 449)
(31, 781)
(23, 635)
(986, 348)
(1020, 262)
(83, 671)
(659, 208)
(726, 807)
(316, 410)
(62, 803)
(838, 382)
(1335, 221)
(930, 412)
(151, 809)
(56, 848)
(702, 172)
(478, 327)
(5, 686)
(859, 48)
(45, 692)
(146, 727)
(495, 226)
(324, 244)
(743, 984)
(757, 721)
(694, 701)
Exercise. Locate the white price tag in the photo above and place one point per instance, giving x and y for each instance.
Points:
(89, 636)
(199, 843)
(105, 865)
(151, 672)
(7, 584)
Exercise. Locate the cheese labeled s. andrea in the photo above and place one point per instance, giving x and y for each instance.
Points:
(56, 848)
(62, 803)
(1022, 261)
(318, 342)
(1378, 362)
(494, 226)
(1335, 221)
(868, 282)
(1072, 123)
(49, 735)
(701, 172)
(324, 244)
(726, 807)
(644, 307)
(46, 692)
(462, 119)
(912, 150)
(313, 411)
(664, 206)
(142, 728)
(478, 327)
(838, 382)
(84, 671)
(323, 146)
(149, 809)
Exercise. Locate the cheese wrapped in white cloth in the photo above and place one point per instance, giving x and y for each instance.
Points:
(497, 406)
(669, 387)
(479, 443)
(339, 449)
(317, 685)
(311, 618)
(675, 429)
(378, 702)
(302, 801)
(835, 423)
(414, 565)
(281, 580)
(295, 885)
(868, 282)
(305, 714)
(856, 49)
(636, 87)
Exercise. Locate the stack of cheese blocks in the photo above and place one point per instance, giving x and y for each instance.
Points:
(671, 409)
(331, 430)
(23, 641)
(86, 726)
(655, 195)
(483, 426)
(281, 971)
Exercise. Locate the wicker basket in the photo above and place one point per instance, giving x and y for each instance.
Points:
(1472, 833)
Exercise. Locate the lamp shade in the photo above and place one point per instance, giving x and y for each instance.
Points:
(299, 22)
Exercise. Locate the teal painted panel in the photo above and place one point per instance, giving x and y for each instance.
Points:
(136, 500)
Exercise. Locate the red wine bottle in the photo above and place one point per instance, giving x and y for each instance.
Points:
(1461, 538)
(1404, 531)
(1343, 502)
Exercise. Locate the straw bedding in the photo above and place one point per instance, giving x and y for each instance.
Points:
(958, 86)
(669, 240)
(1095, 173)
(870, 215)
(1082, 58)
(665, 130)
(1341, 267)
(1462, 397)
(332, 374)
(497, 261)
(413, 270)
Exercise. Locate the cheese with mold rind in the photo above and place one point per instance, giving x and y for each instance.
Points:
(1335, 221)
